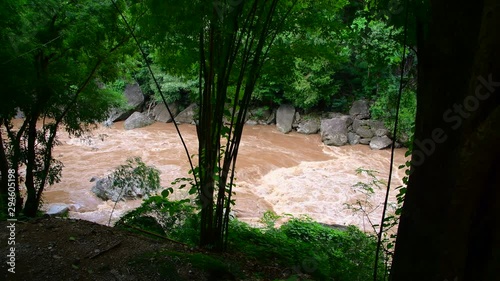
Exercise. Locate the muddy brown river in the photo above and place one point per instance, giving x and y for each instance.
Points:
(286, 173)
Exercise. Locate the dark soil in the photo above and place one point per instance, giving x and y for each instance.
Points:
(67, 249)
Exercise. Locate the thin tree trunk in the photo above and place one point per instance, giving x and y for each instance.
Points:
(31, 206)
(449, 223)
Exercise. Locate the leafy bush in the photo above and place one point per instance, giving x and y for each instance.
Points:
(135, 175)
(301, 245)
(176, 89)
(308, 247)
(177, 219)
(384, 108)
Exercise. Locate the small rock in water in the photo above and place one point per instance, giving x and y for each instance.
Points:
(57, 209)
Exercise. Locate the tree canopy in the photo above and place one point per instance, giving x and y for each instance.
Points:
(56, 61)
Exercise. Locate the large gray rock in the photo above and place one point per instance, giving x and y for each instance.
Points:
(296, 120)
(134, 95)
(284, 118)
(380, 142)
(356, 123)
(353, 138)
(330, 115)
(365, 141)
(135, 99)
(360, 109)
(160, 112)
(334, 131)
(309, 126)
(105, 190)
(188, 115)
(381, 132)
(364, 132)
(137, 120)
(378, 128)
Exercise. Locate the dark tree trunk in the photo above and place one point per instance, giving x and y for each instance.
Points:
(450, 218)
(32, 203)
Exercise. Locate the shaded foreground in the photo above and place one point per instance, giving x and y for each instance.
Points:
(67, 249)
(301, 249)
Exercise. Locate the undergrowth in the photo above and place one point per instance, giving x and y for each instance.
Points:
(300, 246)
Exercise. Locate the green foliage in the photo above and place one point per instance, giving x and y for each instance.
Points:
(307, 247)
(176, 219)
(135, 174)
(391, 219)
(384, 108)
(375, 71)
(58, 55)
(269, 219)
(175, 88)
(304, 58)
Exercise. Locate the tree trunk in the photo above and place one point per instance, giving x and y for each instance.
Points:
(449, 223)
(32, 203)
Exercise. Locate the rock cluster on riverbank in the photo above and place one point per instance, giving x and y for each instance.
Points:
(337, 129)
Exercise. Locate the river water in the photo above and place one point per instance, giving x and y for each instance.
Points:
(286, 173)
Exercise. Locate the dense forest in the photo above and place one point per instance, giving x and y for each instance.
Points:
(65, 65)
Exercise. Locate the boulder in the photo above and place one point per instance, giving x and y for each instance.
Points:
(188, 115)
(360, 109)
(353, 138)
(284, 118)
(137, 120)
(309, 126)
(134, 96)
(160, 112)
(334, 131)
(356, 123)
(57, 209)
(296, 120)
(364, 141)
(272, 118)
(330, 115)
(251, 122)
(364, 132)
(102, 189)
(380, 142)
(135, 100)
(381, 132)
(105, 190)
